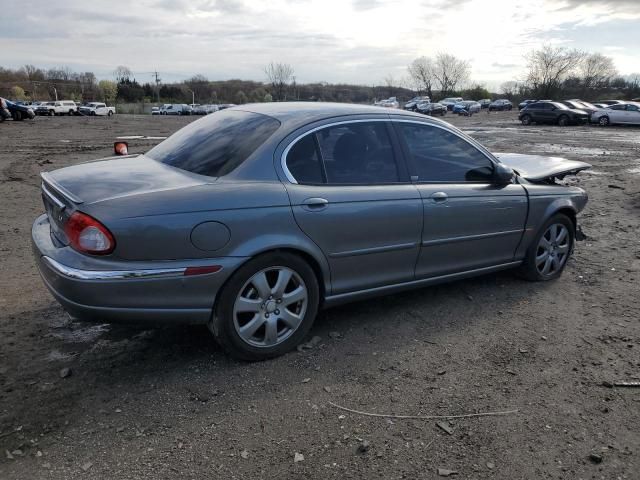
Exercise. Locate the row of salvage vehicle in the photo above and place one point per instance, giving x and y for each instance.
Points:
(423, 104)
(578, 112)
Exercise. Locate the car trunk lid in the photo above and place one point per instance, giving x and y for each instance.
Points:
(537, 168)
(68, 189)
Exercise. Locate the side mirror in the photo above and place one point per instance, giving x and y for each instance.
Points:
(503, 175)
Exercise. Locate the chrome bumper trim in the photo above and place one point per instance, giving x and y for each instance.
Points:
(78, 274)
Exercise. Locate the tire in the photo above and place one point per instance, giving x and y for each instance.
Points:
(93, 113)
(526, 119)
(442, 113)
(52, 113)
(71, 113)
(241, 304)
(110, 113)
(604, 121)
(563, 120)
(549, 250)
(17, 116)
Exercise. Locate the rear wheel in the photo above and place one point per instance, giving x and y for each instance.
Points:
(526, 119)
(17, 115)
(563, 120)
(70, 113)
(267, 307)
(604, 121)
(548, 254)
(52, 113)
(110, 113)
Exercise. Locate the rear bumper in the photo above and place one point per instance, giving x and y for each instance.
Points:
(98, 289)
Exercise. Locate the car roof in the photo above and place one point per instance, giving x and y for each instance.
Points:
(292, 113)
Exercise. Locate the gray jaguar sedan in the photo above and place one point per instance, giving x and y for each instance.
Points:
(251, 219)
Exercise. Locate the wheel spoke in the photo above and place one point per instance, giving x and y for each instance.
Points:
(547, 266)
(252, 327)
(544, 243)
(562, 234)
(262, 285)
(284, 277)
(542, 258)
(290, 319)
(553, 234)
(298, 294)
(555, 263)
(271, 332)
(563, 249)
(244, 304)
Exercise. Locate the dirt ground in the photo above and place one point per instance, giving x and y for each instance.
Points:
(166, 403)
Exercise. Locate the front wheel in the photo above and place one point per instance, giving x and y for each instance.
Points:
(563, 120)
(267, 307)
(526, 120)
(548, 254)
(110, 113)
(603, 121)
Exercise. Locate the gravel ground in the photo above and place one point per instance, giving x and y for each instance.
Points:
(167, 403)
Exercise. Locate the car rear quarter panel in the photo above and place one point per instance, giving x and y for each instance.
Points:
(544, 202)
(158, 226)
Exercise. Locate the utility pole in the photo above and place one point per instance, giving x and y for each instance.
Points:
(157, 86)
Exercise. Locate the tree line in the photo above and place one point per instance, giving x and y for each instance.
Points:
(551, 72)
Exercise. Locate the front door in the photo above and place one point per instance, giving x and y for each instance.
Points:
(469, 222)
(350, 193)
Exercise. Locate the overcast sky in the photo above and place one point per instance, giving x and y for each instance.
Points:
(356, 41)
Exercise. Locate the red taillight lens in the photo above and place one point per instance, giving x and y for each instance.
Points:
(88, 235)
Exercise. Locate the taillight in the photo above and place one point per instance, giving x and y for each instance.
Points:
(88, 235)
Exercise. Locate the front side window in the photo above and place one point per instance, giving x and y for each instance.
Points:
(358, 153)
(441, 156)
(216, 144)
(618, 107)
(632, 108)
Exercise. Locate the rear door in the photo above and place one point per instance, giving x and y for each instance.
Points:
(469, 222)
(632, 114)
(617, 113)
(351, 194)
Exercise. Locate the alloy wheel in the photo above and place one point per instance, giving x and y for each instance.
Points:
(553, 250)
(270, 306)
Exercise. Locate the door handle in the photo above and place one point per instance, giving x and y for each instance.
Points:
(315, 204)
(439, 197)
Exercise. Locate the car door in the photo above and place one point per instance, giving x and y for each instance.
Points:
(617, 113)
(632, 114)
(469, 221)
(351, 194)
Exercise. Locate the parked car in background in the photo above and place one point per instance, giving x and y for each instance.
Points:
(207, 228)
(429, 108)
(205, 109)
(61, 107)
(390, 102)
(175, 109)
(500, 105)
(20, 112)
(485, 102)
(412, 104)
(97, 108)
(466, 107)
(223, 106)
(552, 112)
(155, 110)
(620, 113)
(610, 102)
(450, 102)
(601, 105)
(578, 105)
(524, 103)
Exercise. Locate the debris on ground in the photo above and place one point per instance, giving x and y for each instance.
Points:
(446, 427)
(298, 457)
(65, 373)
(313, 343)
(444, 472)
(363, 447)
(595, 457)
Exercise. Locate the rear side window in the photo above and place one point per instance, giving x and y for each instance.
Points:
(216, 144)
(358, 153)
(441, 156)
(304, 162)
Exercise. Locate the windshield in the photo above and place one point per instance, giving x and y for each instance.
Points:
(216, 144)
(559, 106)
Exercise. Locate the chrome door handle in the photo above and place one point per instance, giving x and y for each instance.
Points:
(439, 197)
(315, 204)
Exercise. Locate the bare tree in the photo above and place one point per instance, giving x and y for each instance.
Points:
(122, 73)
(279, 76)
(421, 72)
(596, 70)
(390, 82)
(449, 71)
(509, 88)
(548, 67)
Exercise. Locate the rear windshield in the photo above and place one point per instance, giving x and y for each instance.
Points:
(216, 144)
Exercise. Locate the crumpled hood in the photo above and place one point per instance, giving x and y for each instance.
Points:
(538, 167)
